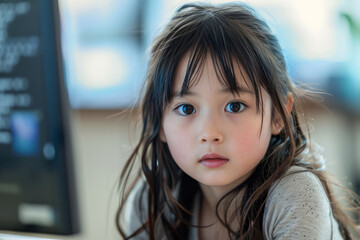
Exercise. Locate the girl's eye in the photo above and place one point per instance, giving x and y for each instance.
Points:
(185, 109)
(235, 107)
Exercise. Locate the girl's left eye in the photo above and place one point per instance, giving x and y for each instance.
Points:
(185, 109)
(235, 107)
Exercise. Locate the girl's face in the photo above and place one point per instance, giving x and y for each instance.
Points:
(214, 136)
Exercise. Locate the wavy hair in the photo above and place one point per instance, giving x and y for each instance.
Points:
(233, 35)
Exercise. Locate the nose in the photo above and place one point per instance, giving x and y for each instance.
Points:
(210, 131)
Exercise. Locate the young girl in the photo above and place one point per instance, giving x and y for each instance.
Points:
(221, 152)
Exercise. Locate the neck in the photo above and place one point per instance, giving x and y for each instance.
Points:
(213, 194)
(213, 228)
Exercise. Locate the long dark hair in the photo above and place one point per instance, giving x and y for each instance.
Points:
(233, 35)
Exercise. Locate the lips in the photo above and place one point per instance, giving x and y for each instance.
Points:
(213, 160)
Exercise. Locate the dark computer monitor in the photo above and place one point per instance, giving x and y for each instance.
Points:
(36, 175)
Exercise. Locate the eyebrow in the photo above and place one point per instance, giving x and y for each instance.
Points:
(240, 89)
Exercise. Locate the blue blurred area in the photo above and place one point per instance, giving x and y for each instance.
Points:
(25, 130)
(105, 46)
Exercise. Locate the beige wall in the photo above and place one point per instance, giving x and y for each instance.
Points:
(102, 144)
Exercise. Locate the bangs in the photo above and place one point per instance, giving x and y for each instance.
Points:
(229, 50)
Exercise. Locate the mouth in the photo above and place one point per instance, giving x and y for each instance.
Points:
(213, 160)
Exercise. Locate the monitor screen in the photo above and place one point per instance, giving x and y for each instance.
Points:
(36, 175)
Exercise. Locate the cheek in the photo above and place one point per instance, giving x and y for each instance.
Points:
(249, 142)
(178, 139)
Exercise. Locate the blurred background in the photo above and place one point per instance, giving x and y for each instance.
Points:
(105, 47)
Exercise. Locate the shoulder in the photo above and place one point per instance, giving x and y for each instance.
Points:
(298, 207)
(298, 183)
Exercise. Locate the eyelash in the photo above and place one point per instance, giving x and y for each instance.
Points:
(242, 106)
(179, 109)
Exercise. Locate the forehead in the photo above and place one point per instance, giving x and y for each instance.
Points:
(208, 68)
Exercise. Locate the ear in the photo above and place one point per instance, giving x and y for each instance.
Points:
(278, 123)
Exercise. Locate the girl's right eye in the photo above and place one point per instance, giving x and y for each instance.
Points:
(185, 109)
